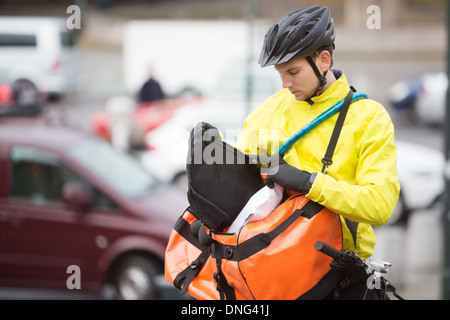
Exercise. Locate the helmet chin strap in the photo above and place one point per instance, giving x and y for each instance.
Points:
(322, 78)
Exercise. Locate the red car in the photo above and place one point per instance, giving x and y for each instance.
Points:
(145, 117)
(20, 97)
(75, 214)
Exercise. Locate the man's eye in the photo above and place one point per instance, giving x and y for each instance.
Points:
(293, 72)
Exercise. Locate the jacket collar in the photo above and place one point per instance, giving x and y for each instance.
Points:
(334, 93)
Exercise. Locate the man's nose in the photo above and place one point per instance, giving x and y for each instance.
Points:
(286, 83)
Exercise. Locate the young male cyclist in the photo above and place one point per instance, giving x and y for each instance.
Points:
(361, 184)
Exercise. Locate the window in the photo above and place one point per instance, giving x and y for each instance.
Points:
(17, 40)
(69, 38)
(39, 177)
(117, 169)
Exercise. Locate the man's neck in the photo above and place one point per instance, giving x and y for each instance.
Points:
(330, 79)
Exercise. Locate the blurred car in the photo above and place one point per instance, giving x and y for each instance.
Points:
(144, 118)
(421, 98)
(20, 97)
(421, 175)
(70, 199)
(168, 144)
(43, 51)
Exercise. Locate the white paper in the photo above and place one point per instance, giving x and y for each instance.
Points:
(260, 205)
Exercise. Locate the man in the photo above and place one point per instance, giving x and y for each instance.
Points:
(150, 91)
(361, 184)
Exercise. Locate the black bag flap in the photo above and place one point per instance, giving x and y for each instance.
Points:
(221, 178)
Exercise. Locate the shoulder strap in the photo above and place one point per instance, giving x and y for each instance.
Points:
(326, 160)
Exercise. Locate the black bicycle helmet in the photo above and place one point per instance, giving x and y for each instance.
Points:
(298, 33)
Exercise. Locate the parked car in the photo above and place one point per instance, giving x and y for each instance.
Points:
(70, 199)
(422, 98)
(43, 51)
(20, 97)
(144, 118)
(421, 175)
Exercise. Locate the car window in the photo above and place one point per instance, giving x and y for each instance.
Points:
(120, 170)
(38, 177)
(69, 38)
(17, 40)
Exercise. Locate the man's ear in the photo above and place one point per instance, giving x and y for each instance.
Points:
(324, 60)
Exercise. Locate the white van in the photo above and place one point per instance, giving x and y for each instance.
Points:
(42, 50)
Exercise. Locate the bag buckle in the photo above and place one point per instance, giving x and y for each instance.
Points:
(195, 264)
(326, 163)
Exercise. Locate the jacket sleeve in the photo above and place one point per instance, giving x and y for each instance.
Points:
(374, 195)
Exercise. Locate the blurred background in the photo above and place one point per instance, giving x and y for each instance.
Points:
(139, 74)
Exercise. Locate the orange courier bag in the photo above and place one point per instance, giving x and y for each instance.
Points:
(273, 258)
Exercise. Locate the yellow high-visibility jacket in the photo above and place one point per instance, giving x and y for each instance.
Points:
(361, 185)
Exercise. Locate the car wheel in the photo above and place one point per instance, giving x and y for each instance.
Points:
(400, 213)
(27, 93)
(133, 278)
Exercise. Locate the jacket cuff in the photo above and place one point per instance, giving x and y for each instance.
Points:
(317, 181)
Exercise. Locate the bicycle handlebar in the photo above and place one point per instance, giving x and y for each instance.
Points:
(343, 258)
(328, 250)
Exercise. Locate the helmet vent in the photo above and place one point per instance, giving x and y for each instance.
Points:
(306, 34)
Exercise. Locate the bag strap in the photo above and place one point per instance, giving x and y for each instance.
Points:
(260, 241)
(226, 292)
(326, 160)
(185, 277)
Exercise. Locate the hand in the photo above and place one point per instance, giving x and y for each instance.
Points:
(289, 177)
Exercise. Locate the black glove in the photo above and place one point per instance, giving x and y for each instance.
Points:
(289, 177)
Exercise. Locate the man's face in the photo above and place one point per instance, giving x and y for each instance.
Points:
(298, 76)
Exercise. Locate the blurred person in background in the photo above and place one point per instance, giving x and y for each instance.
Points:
(361, 184)
(151, 90)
